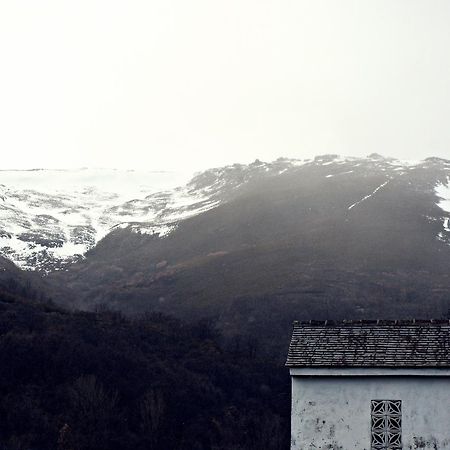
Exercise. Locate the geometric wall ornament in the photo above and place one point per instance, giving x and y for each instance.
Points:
(386, 418)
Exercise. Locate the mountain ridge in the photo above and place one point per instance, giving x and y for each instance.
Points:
(330, 238)
(46, 230)
(256, 246)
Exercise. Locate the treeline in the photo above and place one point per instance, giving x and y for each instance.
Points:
(93, 381)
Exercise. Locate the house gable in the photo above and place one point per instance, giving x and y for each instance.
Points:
(370, 385)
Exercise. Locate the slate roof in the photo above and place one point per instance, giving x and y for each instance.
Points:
(370, 343)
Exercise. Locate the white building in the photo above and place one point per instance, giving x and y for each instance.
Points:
(370, 385)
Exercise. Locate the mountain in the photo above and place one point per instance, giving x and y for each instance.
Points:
(50, 218)
(327, 238)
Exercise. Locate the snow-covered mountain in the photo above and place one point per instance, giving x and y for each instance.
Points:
(51, 218)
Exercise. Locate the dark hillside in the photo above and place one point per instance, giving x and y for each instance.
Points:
(20, 283)
(85, 381)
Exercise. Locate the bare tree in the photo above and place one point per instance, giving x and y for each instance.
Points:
(152, 409)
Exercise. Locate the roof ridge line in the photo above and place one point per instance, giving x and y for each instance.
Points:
(349, 322)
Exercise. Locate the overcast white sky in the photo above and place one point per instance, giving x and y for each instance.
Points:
(190, 84)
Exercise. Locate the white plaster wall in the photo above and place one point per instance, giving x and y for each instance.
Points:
(334, 412)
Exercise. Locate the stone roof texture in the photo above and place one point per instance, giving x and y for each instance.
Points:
(370, 343)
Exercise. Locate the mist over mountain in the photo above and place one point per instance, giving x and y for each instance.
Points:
(256, 246)
(332, 237)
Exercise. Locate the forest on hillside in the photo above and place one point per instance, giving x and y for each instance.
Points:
(91, 381)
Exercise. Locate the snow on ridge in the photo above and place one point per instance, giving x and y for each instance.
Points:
(45, 229)
(50, 218)
(125, 184)
(180, 204)
(56, 216)
(403, 163)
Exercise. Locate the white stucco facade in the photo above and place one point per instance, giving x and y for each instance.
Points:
(331, 408)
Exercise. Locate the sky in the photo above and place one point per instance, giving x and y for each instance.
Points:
(192, 84)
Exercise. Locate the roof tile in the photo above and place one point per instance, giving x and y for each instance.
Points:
(370, 343)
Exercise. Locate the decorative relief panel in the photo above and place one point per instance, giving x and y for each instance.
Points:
(386, 425)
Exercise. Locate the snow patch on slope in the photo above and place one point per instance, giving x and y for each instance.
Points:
(160, 213)
(368, 196)
(443, 192)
